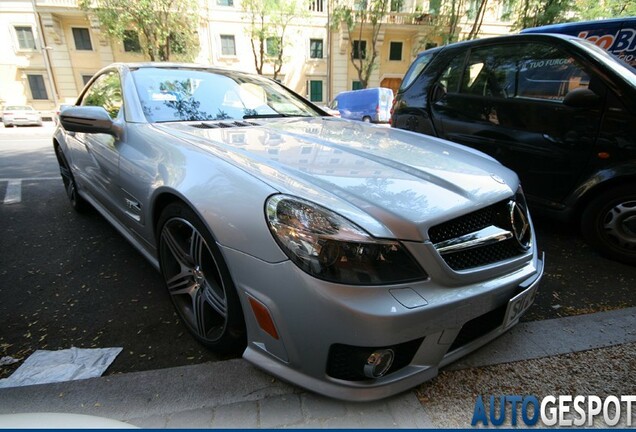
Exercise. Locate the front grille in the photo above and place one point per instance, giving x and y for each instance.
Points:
(466, 224)
(346, 362)
(497, 215)
(483, 255)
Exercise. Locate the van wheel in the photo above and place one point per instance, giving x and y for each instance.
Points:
(609, 223)
(366, 119)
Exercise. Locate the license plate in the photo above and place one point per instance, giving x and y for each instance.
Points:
(519, 304)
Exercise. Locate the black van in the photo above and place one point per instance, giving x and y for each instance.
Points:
(558, 110)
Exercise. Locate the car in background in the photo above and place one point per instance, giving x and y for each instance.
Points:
(556, 109)
(20, 115)
(345, 258)
(60, 108)
(616, 35)
(368, 105)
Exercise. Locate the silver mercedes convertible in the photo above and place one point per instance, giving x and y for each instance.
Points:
(351, 259)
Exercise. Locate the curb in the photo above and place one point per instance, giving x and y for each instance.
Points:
(235, 394)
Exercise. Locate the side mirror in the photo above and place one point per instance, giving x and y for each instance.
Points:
(87, 119)
(581, 98)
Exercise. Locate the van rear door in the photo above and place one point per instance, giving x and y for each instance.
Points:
(384, 104)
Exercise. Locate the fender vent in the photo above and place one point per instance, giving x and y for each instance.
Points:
(218, 125)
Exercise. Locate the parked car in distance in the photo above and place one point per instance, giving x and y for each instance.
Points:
(345, 258)
(20, 115)
(558, 110)
(59, 109)
(368, 105)
(617, 35)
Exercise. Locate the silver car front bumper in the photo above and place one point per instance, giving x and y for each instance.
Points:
(324, 329)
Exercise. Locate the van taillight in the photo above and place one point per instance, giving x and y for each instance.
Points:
(377, 108)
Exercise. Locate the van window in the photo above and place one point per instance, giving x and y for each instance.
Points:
(416, 68)
(531, 70)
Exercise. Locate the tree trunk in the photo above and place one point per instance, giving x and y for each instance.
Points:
(479, 18)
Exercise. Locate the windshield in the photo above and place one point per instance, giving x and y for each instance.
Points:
(170, 95)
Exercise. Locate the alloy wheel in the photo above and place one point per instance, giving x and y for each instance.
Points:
(193, 279)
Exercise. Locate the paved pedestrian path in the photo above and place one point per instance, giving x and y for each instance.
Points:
(235, 394)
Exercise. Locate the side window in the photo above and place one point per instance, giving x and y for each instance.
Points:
(105, 92)
(415, 69)
(491, 71)
(550, 74)
(452, 75)
(534, 71)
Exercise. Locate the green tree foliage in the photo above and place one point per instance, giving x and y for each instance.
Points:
(366, 16)
(525, 13)
(165, 27)
(533, 13)
(268, 23)
(106, 93)
(597, 9)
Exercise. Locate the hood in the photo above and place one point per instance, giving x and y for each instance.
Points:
(391, 182)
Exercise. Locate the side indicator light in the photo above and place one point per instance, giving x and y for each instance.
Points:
(263, 318)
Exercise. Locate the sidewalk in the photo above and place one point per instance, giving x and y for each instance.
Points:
(235, 394)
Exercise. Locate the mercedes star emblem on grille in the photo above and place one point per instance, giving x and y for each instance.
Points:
(520, 224)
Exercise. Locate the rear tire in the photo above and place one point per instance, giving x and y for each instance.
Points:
(199, 281)
(609, 223)
(366, 119)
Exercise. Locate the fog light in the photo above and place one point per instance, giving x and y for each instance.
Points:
(379, 363)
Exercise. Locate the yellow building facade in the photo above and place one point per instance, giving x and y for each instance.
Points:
(52, 48)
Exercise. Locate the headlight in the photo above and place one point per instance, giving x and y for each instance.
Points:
(328, 246)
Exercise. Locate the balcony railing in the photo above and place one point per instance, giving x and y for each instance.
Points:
(414, 18)
(57, 3)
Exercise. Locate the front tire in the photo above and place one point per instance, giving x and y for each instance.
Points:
(78, 203)
(198, 280)
(609, 223)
